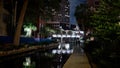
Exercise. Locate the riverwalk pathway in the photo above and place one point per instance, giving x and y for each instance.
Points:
(78, 59)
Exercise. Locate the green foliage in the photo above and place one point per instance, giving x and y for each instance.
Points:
(30, 25)
(106, 29)
(105, 22)
(47, 31)
(80, 12)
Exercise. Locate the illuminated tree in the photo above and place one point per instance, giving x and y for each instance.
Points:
(28, 29)
(36, 10)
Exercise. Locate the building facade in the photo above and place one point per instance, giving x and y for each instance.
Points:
(61, 17)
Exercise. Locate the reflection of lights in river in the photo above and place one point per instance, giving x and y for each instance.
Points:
(27, 62)
(66, 46)
(64, 51)
(63, 48)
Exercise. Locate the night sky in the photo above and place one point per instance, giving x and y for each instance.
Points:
(73, 4)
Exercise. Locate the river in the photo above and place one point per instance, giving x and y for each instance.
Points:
(41, 59)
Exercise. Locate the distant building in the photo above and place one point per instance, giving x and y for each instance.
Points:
(64, 13)
(61, 17)
(53, 24)
(40, 24)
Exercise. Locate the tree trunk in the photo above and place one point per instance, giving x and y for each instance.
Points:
(20, 23)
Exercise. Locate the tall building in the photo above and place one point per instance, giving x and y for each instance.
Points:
(64, 11)
(61, 17)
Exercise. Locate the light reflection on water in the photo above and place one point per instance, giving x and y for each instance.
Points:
(46, 60)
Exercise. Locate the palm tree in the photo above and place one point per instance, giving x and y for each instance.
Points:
(20, 23)
(43, 9)
(41, 5)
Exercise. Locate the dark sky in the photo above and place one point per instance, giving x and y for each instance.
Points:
(73, 4)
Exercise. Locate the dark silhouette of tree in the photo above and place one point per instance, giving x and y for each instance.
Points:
(106, 29)
(82, 14)
(20, 23)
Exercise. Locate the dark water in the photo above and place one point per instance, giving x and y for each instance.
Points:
(44, 59)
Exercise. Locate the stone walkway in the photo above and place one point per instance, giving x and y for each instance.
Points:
(78, 59)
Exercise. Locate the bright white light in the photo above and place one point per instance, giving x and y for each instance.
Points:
(59, 35)
(92, 38)
(28, 32)
(27, 62)
(68, 35)
(54, 51)
(58, 51)
(63, 51)
(28, 29)
(68, 51)
(63, 35)
(54, 35)
(59, 46)
(67, 46)
(73, 36)
(82, 32)
(77, 36)
(76, 32)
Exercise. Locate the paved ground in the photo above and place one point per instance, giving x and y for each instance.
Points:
(78, 59)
